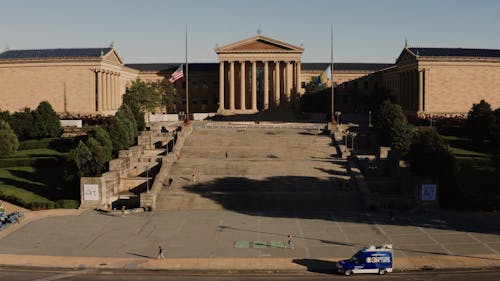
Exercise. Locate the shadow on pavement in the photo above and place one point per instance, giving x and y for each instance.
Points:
(318, 266)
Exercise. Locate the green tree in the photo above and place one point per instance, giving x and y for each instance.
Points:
(168, 95)
(99, 155)
(401, 136)
(46, 121)
(22, 122)
(100, 135)
(143, 95)
(389, 114)
(117, 133)
(84, 162)
(313, 85)
(429, 155)
(480, 121)
(126, 117)
(8, 140)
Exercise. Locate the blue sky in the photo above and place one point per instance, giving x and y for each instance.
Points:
(153, 30)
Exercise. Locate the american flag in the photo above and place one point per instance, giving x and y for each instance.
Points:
(178, 74)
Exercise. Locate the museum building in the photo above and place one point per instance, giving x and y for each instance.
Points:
(255, 74)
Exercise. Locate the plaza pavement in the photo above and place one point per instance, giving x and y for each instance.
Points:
(220, 236)
(211, 240)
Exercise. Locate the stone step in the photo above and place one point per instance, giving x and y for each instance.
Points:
(260, 201)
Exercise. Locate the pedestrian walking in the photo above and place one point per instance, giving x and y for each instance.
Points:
(194, 177)
(289, 242)
(227, 156)
(160, 253)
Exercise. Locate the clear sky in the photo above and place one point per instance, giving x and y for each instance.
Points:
(153, 31)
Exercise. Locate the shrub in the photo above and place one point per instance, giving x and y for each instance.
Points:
(401, 136)
(83, 163)
(102, 137)
(67, 204)
(8, 140)
(429, 155)
(41, 205)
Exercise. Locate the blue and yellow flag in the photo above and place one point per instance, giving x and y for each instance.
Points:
(325, 76)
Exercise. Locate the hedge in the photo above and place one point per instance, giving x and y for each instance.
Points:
(30, 161)
(56, 143)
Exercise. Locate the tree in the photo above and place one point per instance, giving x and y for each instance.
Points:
(22, 122)
(117, 133)
(168, 95)
(430, 156)
(144, 96)
(46, 120)
(8, 140)
(126, 117)
(84, 162)
(99, 155)
(401, 136)
(389, 114)
(104, 141)
(480, 121)
(313, 85)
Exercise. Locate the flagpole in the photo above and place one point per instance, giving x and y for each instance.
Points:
(331, 74)
(187, 79)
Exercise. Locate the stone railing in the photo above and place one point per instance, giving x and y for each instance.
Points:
(148, 199)
(99, 192)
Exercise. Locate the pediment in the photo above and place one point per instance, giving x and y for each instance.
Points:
(259, 44)
(113, 56)
(406, 54)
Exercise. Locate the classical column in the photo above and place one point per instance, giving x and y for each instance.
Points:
(221, 86)
(231, 86)
(108, 91)
(112, 92)
(254, 86)
(288, 87)
(242, 86)
(103, 90)
(99, 91)
(117, 91)
(266, 86)
(297, 77)
(277, 93)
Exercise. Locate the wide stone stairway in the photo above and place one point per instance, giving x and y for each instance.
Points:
(266, 169)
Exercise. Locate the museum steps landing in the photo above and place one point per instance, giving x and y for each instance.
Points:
(259, 169)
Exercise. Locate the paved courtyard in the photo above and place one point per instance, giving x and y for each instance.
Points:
(226, 234)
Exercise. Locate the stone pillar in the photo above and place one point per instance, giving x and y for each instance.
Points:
(99, 91)
(297, 66)
(277, 93)
(103, 90)
(221, 86)
(231, 86)
(112, 91)
(266, 85)
(254, 86)
(242, 86)
(288, 87)
(108, 91)
(117, 89)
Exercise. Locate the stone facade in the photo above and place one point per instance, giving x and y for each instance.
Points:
(254, 74)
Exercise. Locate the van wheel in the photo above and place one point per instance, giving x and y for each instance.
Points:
(382, 271)
(348, 272)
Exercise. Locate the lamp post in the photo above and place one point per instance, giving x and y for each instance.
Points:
(147, 178)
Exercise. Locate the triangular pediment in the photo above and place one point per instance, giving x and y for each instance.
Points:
(113, 56)
(406, 54)
(259, 44)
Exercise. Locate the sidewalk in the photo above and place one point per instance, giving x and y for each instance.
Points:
(238, 264)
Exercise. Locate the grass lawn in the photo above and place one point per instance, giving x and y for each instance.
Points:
(477, 178)
(39, 185)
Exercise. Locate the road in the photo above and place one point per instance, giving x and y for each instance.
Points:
(30, 274)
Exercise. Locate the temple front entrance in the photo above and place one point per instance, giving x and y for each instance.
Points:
(258, 73)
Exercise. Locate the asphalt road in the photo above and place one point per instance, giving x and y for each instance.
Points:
(30, 274)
